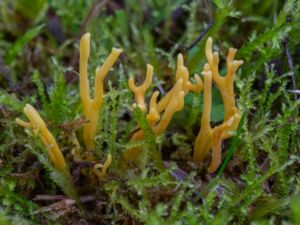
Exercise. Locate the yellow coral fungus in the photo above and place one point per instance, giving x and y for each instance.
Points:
(156, 122)
(139, 91)
(160, 113)
(37, 124)
(153, 115)
(91, 106)
(103, 167)
(174, 105)
(203, 141)
(212, 138)
(225, 84)
(220, 133)
(181, 73)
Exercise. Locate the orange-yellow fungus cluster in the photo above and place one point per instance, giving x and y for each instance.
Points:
(37, 124)
(208, 138)
(91, 109)
(160, 113)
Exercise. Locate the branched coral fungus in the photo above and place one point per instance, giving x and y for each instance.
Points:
(91, 107)
(38, 126)
(209, 138)
(139, 91)
(160, 113)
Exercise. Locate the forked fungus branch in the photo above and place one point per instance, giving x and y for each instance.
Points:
(91, 106)
(39, 127)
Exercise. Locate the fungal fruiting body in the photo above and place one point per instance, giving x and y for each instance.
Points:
(203, 141)
(103, 167)
(39, 127)
(139, 91)
(91, 109)
(91, 106)
(208, 138)
(160, 113)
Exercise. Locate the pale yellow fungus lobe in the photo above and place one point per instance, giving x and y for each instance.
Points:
(203, 141)
(219, 134)
(91, 106)
(139, 91)
(209, 138)
(76, 149)
(104, 167)
(181, 73)
(39, 127)
(153, 115)
(174, 105)
(225, 84)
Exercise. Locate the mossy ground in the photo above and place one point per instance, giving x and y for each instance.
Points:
(39, 65)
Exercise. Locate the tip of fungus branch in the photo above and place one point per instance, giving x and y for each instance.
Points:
(232, 50)
(206, 73)
(27, 107)
(86, 36)
(179, 60)
(104, 167)
(206, 67)
(117, 50)
(149, 68)
(22, 123)
(209, 41)
(238, 62)
(216, 57)
(85, 46)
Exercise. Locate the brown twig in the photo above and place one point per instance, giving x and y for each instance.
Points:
(209, 11)
(178, 174)
(80, 165)
(294, 91)
(199, 38)
(94, 11)
(291, 64)
(204, 32)
(49, 197)
(83, 199)
(158, 85)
